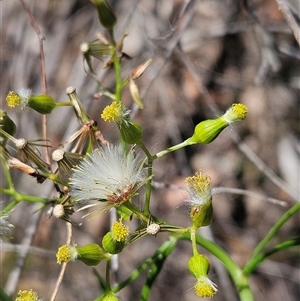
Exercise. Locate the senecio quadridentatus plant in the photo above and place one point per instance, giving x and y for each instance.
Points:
(102, 176)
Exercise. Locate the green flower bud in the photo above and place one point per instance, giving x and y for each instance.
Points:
(91, 254)
(131, 132)
(208, 130)
(200, 200)
(108, 296)
(111, 245)
(106, 16)
(7, 125)
(198, 266)
(202, 215)
(43, 104)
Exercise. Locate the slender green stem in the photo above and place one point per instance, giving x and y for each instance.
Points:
(150, 174)
(11, 205)
(163, 250)
(158, 262)
(63, 104)
(173, 148)
(136, 211)
(236, 273)
(107, 275)
(284, 218)
(261, 257)
(101, 281)
(102, 89)
(18, 197)
(117, 67)
(194, 243)
(7, 175)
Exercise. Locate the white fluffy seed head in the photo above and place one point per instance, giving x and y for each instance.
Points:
(106, 174)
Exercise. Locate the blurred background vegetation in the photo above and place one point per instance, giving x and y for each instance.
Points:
(206, 55)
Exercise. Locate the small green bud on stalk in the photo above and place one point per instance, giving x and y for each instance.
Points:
(208, 130)
(111, 245)
(202, 215)
(198, 265)
(43, 104)
(131, 132)
(108, 296)
(7, 125)
(91, 254)
(107, 17)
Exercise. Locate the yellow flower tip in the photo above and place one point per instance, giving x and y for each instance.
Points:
(119, 231)
(13, 99)
(236, 112)
(205, 288)
(200, 185)
(66, 253)
(113, 112)
(27, 296)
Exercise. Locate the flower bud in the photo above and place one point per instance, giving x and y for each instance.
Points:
(131, 132)
(112, 112)
(13, 99)
(7, 125)
(236, 112)
(198, 266)
(19, 97)
(200, 199)
(66, 253)
(208, 130)
(108, 296)
(91, 254)
(43, 104)
(202, 215)
(119, 231)
(111, 245)
(24, 295)
(106, 16)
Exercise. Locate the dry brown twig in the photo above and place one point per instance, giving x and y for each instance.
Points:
(283, 6)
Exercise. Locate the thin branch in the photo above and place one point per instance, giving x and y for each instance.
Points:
(30, 230)
(185, 16)
(283, 6)
(64, 265)
(249, 193)
(43, 72)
